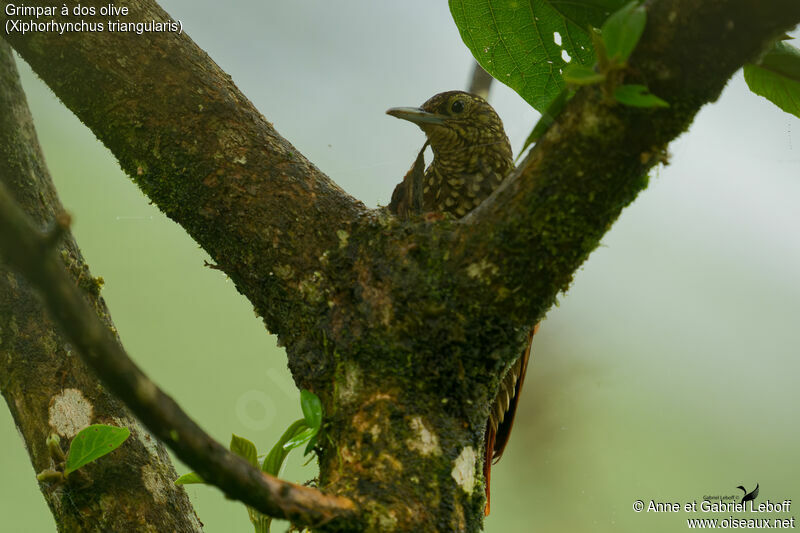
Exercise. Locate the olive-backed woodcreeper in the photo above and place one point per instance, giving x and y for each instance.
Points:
(471, 157)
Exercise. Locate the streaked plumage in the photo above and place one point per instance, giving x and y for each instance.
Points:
(471, 154)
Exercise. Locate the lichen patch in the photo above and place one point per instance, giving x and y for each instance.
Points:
(482, 270)
(347, 455)
(348, 391)
(69, 412)
(343, 237)
(311, 287)
(154, 485)
(464, 469)
(149, 442)
(375, 431)
(390, 461)
(425, 441)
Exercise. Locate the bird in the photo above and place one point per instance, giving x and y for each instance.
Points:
(471, 158)
(471, 155)
(748, 496)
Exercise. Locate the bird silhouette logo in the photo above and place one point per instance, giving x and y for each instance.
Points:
(748, 496)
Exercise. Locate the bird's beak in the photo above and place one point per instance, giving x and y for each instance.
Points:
(416, 115)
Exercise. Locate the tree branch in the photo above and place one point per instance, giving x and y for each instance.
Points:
(551, 213)
(31, 253)
(250, 199)
(201, 152)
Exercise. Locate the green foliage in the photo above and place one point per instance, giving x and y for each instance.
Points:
(244, 449)
(515, 40)
(522, 44)
(777, 77)
(306, 432)
(302, 431)
(188, 479)
(301, 438)
(312, 408)
(581, 75)
(273, 462)
(92, 443)
(621, 32)
(638, 96)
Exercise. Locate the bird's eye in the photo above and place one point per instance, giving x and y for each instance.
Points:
(457, 106)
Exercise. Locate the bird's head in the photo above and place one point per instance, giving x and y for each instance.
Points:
(455, 121)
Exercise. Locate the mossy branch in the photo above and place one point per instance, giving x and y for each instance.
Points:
(199, 149)
(593, 161)
(267, 216)
(51, 394)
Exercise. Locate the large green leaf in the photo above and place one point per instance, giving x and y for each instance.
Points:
(516, 42)
(92, 443)
(777, 77)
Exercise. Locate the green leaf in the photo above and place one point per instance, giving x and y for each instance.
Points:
(547, 118)
(622, 30)
(92, 443)
(277, 455)
(300, 439)
(784, 59)
(312, 408)
(581, 75)
(777, 77)
(310, 446)
(638, 96)
(188, 479)
(515, 40)
(245, 449)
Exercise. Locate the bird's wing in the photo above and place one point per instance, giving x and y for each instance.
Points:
(407, 195)
(755, 492)
(508, 397)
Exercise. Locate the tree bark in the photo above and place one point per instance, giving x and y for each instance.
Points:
(48, 388)
(403, 329)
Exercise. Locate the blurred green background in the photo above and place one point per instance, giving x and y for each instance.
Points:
(668, 372)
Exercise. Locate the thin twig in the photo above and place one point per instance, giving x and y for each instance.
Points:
(481, 82)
